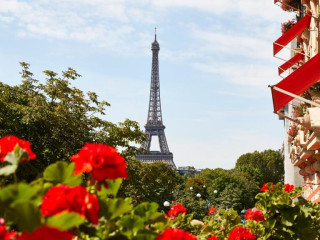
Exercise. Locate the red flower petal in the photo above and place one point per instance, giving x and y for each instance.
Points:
(102, 160)
(176, 210)
(72, 199)
(47, 233)
(8, 143)
(176, 234)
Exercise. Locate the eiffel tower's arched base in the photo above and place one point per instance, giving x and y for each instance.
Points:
(156, 156)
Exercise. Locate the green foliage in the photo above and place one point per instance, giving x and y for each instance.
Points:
(219, 224)
(65, 220)
(119, 219)
(61, 172)
(197, 206)
(229, 188)
(197, 185)
(110, 189)
(289, 216)
(59, 119)
(266, 166)
(113, 208)
(150, 182)
(237, 187)
(230, 197)
(19, 204)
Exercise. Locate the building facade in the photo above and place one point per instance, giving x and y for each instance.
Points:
(296, 98)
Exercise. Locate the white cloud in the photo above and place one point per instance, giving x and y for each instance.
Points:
(111, 25)
(248, 8)
(232, 44)
(242, 74)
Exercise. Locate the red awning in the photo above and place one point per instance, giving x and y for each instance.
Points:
(291, 33)
(298, 57)
(297, 82)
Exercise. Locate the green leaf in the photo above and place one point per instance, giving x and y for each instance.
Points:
(62, 172)
(65, 220)
(26, 215)
(112, 190)
(20, 192)
(20, 204)
(145, 207)
(145, 235)
(148, 210)
(288, 217)
(113, 208)
(130, 225)
(283, 199)
(306, 211)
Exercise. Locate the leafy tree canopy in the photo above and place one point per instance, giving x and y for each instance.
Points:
(266, 166)
(150, 182)
(59, 119)
(220, 183)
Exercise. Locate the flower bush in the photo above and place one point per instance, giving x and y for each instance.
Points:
(267, 187)
(212, 210)
(287, 25)
(176, 234)
(62, 204)
(299, 111)
(241, 233)
(176, 210)
(293, 131)
(254, 214)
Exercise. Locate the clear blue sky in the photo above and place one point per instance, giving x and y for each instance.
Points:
(215, 64)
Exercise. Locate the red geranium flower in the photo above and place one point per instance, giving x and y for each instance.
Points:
(177, 209)
(47, 233)
(103, 161)
(176, 234)
(8, 143)
(4, 234)
(213, 237)
(212, 210)
(288, 188)
(72, 199)
(254, 214)
(266, 188)
(241, 233)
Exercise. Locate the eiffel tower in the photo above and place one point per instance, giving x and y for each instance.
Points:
(154, 125)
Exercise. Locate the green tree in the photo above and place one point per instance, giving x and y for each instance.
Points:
(220, 183)
(59, 119)
(154, 182)
(230, 197)
(197, 186)
(266, 166)
(196, 205)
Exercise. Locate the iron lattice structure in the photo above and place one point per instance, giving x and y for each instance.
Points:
(154, 125)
